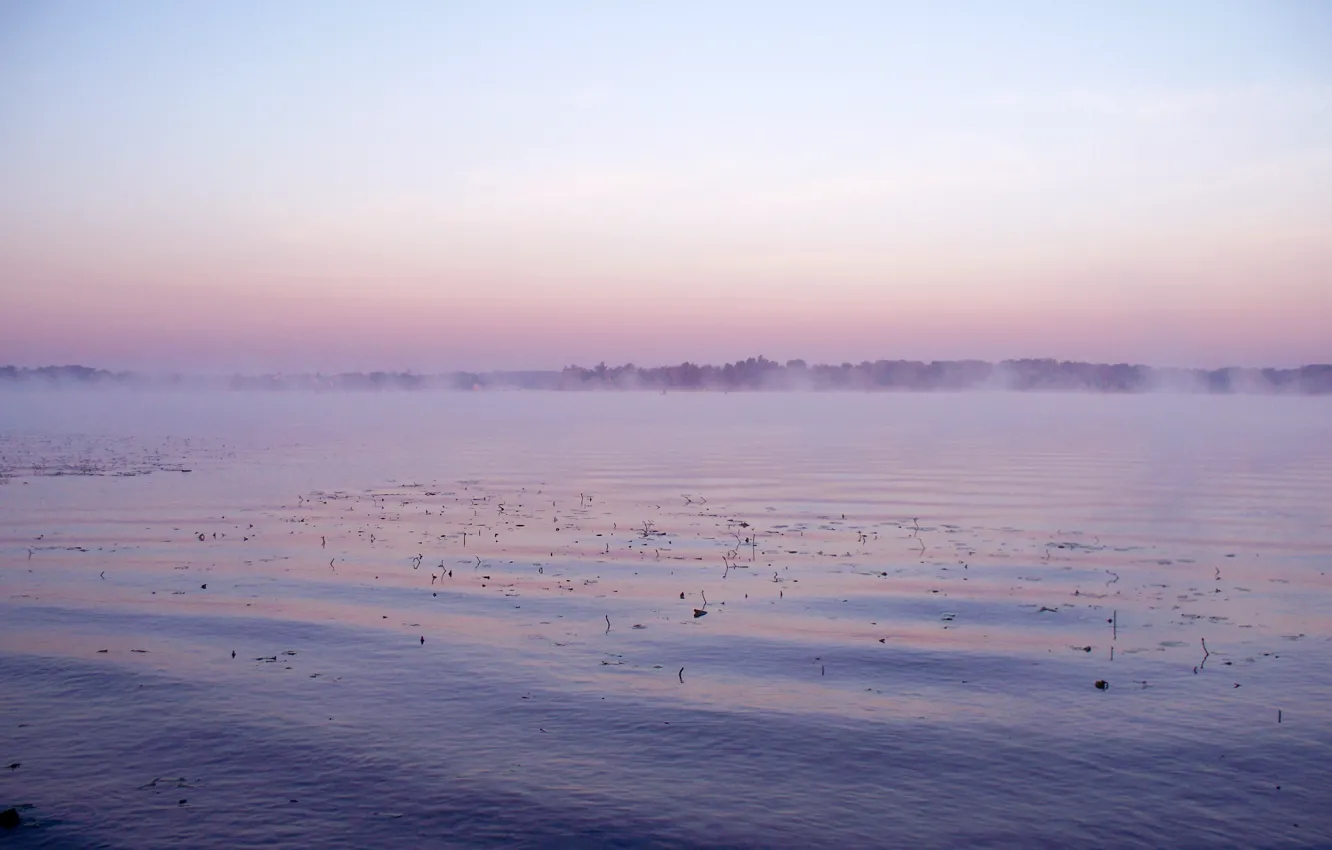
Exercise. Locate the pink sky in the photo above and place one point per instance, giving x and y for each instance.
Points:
(352, 326)
(231, 191)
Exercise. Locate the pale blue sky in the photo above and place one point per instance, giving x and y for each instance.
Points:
(1152, 177)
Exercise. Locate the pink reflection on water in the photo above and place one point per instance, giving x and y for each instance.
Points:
(813, 563)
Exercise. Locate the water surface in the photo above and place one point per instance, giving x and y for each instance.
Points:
(908, 601)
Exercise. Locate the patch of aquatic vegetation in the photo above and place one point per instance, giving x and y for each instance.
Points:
(44, 455)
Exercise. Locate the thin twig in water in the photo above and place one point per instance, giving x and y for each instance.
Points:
(607, 616)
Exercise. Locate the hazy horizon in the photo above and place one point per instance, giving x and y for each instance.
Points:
(435, 187)
(555, 368)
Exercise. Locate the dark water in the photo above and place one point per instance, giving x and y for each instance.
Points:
(909, 600)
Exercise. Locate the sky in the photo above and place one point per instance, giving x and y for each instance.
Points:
(304, 186)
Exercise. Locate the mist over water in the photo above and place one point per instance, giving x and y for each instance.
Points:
(473, 619)
(754, 373)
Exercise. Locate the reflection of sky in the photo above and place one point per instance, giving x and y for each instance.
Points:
(337, 185)
(1075, 511)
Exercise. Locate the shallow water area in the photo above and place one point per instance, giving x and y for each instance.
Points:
(626, 619)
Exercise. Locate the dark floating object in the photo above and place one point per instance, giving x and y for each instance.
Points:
(682, 594)
(422, 640)
(1102, 684)
(699, 612)
(233, 653)
(203, 587)
(9, 818)
(16, 765)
